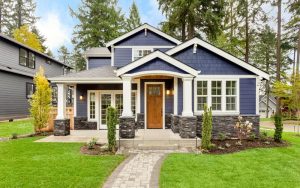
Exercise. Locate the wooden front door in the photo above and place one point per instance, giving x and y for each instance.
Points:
(154, 106)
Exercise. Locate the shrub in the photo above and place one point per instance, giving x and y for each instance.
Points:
(206, 128)
(14, 136)
(222, 136)
(263, 136)
(252, 136)
(91, 144)
(243, 129)
(111, 126)
(278, 128)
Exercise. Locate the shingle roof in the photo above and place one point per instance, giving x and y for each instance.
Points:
(98, 52)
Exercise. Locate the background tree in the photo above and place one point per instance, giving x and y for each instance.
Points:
(5, 9)
(65, 56)
(134, 19)
(41, 38)
(41, 101)
(25, 36)
(78, 59)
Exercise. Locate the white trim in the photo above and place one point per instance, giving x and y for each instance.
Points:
(75, 100)
(127, 112)
(61, 101)
(88, 80)
(112, 56)
(137, 46)
(219, 52)
(175, 96)
(96, 106)
(140, 28)
(257, 84)
(187, 109)
(206, 76)
(145, 102)
(138, 96)
(223, 97)
(165, 73)
(161, 55)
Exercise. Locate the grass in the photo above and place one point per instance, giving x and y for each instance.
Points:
(24, 163)
(266, 119)
(272, 167)
(19, 127)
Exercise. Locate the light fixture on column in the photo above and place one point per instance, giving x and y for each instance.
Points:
(81, 97)
(169, 92)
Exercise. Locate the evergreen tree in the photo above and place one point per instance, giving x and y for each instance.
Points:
(25, 36)
(5, 9)
(193, 17)
(134, 18)
(49, 53)
(99, 22)
(41, 38)
(65, 56)
(78, 59)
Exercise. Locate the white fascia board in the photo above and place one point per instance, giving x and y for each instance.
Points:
(157, 54)
(98, 55)
(167, 73)
(219, 52)
(142, 27)
(86, 80)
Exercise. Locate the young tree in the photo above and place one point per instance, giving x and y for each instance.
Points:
(134, 19)
(111, 126)
(41, 101)
(206, 128)
(25, 36)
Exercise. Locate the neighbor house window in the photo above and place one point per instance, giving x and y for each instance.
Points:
(29, 90)
(201, 94)
(133, 102)
(92, 105)
(27, 58)
(139, 53)
(230, 95)
(54, 95)
(216, 95)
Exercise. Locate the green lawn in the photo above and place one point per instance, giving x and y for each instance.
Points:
(266, 119)
(276, 167)
(19, 127)
(24, 163)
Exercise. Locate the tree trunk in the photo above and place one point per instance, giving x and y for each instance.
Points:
(183, 31)
(294, 62)
(267, 84)
(298, 55)
(231, 25)
(19, 12)
(191, 29)
(278, 55)
(247, 34)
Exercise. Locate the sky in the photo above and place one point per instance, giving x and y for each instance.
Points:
(56, 23)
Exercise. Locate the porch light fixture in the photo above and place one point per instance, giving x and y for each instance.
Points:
(81, 97)
(169, 92)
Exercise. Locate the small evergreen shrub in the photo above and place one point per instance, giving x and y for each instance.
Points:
(263, 136)
(91, 144)
(278, 128)
(206, 128)
(14, 136)
(252, 137)
(222, 136)
(111, 126)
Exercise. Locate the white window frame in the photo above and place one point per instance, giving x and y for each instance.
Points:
(201, 95)
(223, 96)
(96, 105)
(139, 48)
(230, 95)
(222, 93)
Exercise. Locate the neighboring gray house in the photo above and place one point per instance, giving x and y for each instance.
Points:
(263, 106)
(18, 65)
(157, 82)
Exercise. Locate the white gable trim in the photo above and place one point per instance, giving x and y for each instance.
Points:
(140, 28)
(219, 52)
(157, 54)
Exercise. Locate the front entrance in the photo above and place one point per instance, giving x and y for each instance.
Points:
(154, 103)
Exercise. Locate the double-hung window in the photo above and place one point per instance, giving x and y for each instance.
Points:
(216, 95)
(139, 53)
(92, 105)
(27, 58)
(29, 90)
(201, 94)
(231, 95)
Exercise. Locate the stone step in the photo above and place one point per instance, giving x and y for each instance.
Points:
(157, 147)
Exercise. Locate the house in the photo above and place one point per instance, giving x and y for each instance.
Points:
(263, 106)
(157, 82)
(18, 65)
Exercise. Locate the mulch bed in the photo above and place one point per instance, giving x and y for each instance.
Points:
(232, 146)
(96, 151)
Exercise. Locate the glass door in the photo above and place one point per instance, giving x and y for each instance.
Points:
(105, 102)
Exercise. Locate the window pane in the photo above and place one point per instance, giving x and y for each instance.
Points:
(23, 61)
(54, 95)
(216, 103)
(202, 88)
(29, 90)
(230, 103)
(105, 103)
(230, 87)
(216, 87)
(201, 102)
(92, 106)
(119, 104)
(23, 53)
(133, 102)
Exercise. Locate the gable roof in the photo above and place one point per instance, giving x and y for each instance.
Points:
(31, 49)
(160, 55)
(140, 28)
(220, 52)
(97, 52)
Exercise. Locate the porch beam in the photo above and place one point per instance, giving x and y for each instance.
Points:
(187, 97)
(127, 96)
(61, 101)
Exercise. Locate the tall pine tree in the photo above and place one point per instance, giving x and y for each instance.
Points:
(134, 19)
(5, 10)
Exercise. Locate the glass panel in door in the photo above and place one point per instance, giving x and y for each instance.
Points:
(119, 104)
(105, 103)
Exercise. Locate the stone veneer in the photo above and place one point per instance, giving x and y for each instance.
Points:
(225, 124)
(140, 123)
(81, 123)
(127, 127)
(175, 123)
(61, 127)
(187, 126)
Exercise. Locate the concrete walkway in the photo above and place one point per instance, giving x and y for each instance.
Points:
(141, 169)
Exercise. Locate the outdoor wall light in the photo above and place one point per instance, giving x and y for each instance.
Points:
(80, 97)
(169, 92)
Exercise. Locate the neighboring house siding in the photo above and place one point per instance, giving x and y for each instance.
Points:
(9, 56)
(123, 56)
(209, 63)
(248, 96)
(157, 65)
(139, 39)
(98, 62)
(13, 101)
(169, 99)
(81, 90)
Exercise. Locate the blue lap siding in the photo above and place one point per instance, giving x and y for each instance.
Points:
(123, 56)
(99, 62)
(248, 96)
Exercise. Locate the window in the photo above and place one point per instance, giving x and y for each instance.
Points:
(216, 95)
(119, 104)
(70, 96)
(27, 58)
(133, 102)
(139, 53)
(201, 94)
(29, 90)
(92, 105)
(230, 95)
(54, 95)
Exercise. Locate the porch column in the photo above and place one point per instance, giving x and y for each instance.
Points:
(61, 101)
(127, 96)
(187, 97)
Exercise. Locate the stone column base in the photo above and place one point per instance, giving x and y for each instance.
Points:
(127, 127)
(187, 126)
(175, 123)
(61, 127)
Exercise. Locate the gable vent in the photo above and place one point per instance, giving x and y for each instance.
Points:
(195, 48)
(146, 32)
